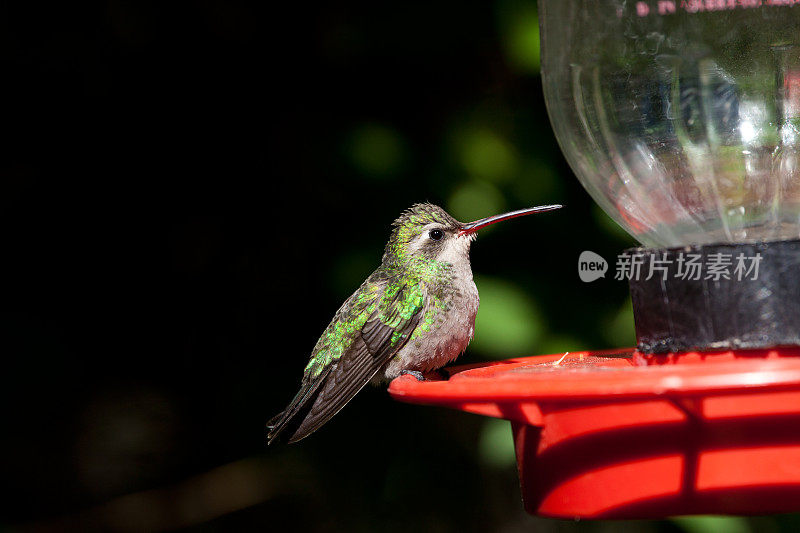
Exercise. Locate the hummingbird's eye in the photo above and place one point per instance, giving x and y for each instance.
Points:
(436, 234)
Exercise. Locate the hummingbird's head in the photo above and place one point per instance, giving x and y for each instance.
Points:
(427, 232)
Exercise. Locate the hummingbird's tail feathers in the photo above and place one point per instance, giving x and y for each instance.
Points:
(279, 423)
(368, 354)
(349, 376)
(272, 422)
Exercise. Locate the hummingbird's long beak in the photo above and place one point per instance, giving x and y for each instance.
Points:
(472, 227)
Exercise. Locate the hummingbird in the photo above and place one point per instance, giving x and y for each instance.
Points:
(414, 314)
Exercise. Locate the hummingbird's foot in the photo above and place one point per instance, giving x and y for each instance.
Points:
(417, 374)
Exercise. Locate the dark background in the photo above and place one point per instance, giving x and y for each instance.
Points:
(189, 192)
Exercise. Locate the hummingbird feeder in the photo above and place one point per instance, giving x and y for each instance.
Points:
(682, 120)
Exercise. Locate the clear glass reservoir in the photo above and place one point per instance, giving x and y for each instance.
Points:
(680, 117)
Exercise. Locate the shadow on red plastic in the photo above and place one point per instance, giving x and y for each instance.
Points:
(619, 435)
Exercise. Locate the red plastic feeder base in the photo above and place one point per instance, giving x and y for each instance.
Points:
(616, 434)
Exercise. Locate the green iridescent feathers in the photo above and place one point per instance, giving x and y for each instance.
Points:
(339, 334)
(377, 301)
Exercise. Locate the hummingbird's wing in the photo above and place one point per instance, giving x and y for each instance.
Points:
(376, 327)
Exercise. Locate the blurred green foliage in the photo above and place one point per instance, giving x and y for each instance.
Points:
(712, 524)
(620, 329)
(508, 321)
(519, 26)
(538, 182)
(496, 444)
(485, 155)
(377, 151)
(472, 200)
